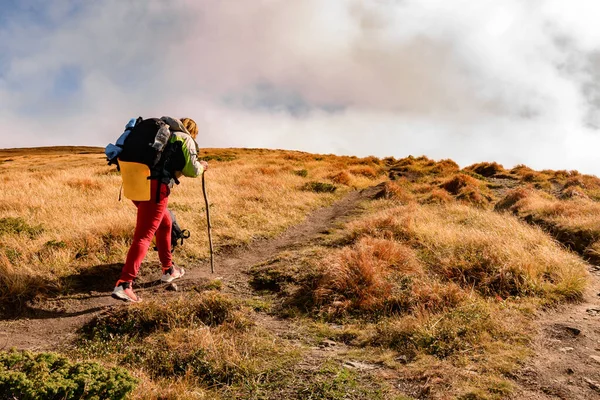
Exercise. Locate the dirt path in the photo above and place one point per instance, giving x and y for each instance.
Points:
(566, 364)
(53, 322)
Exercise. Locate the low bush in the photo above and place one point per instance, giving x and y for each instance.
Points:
(319, 187)
(456, 184)
(437, 196)
(218, 157)
(573, 192)
(301, 172)
(415, 169)
(491, 253)
(26, 375)
(445, 167)
(395, 191)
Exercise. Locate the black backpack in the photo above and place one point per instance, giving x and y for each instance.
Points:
(146, 142)
(149, 143)
(177, 234)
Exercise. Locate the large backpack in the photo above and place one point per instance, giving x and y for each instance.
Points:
(146, 142)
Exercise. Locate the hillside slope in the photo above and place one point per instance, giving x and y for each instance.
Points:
(412, 279)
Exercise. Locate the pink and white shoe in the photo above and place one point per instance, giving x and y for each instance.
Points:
(172, 273)
(123, 291)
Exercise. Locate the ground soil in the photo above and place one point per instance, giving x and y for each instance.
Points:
(49, 323)
(562, 366)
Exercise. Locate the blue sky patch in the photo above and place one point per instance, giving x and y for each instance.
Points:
(268, 97)
(67, 82)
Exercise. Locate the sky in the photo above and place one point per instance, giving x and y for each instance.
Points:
(510, 81)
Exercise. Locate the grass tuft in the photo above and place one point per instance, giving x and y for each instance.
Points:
(486, 169)
(205, 309)
(319, 187)
(342, 178)
(18, 226)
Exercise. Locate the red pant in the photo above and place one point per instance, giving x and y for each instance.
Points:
(152, 218)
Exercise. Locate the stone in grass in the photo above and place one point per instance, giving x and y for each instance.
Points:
(566, 349)
(327, 343)
(358, 365)
(593, 384)
(595, 358)
(172, 287)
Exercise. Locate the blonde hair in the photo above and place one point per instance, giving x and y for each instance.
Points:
(190, 126)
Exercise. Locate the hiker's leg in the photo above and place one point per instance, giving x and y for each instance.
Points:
(163, 241)
(149, 216)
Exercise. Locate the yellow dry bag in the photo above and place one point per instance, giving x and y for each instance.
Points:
(136, 185)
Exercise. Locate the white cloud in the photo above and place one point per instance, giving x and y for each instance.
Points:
(511, 81)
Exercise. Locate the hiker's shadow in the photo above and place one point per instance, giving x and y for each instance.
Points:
(98, 280)
(90, 288)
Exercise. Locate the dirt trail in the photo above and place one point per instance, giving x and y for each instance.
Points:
(54, 322)
(566, 364)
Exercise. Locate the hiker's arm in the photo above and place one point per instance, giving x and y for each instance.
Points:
(193, 167)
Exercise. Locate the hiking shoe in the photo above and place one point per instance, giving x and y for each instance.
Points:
(172, 273)
(123, 291)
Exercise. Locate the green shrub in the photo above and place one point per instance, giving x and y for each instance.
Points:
(25, 375)
(219, 157)
(10, 225)
(319, 187)
(301, 172)
(55, 244)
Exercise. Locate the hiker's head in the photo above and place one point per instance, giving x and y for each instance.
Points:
(191, 126)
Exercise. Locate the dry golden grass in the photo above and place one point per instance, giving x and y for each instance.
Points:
(577, 213)
(486, 169)
(574, 221)
(72, 196)
(418, 168)
(426, 274)
(448, 287)
(478, 249)
(360, 277)
(468, 190)
(342, 177)
(193, 347)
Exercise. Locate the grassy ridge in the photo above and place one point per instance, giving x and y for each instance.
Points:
(59, 211)
(432, 281)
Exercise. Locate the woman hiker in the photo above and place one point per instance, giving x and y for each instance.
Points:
(152, 215)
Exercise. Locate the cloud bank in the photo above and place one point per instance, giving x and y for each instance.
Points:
(511, 81)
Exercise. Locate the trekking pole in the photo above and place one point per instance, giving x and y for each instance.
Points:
(212, 261)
